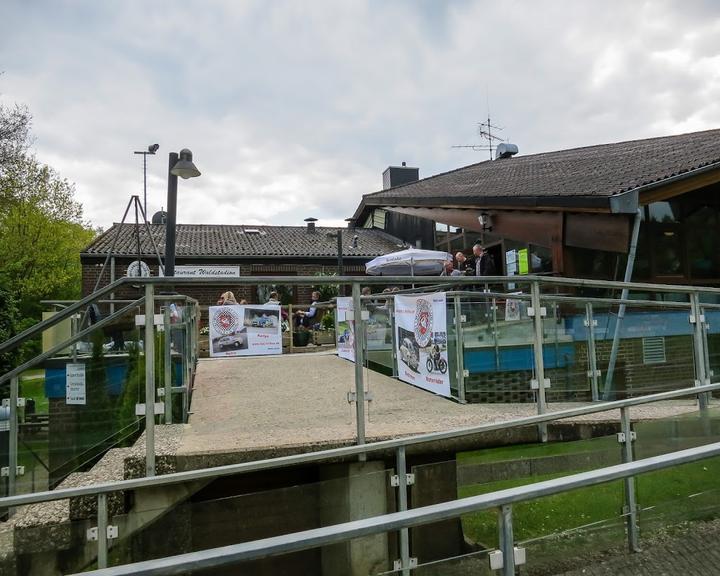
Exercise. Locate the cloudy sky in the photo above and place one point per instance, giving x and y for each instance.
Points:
(294, 108)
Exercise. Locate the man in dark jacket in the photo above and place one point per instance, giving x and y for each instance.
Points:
(484, 262)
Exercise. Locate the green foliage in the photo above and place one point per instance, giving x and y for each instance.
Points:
(8, 325)
(328, 320)
(41, 227)
(327, 291)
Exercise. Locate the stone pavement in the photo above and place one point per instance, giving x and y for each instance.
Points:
(694, 551)
(274, 404)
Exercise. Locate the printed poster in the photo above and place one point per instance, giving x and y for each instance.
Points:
(245, 330)
(345, 334)
(75, 384)
(422, 357)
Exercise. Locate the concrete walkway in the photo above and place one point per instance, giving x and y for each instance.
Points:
(268, 404)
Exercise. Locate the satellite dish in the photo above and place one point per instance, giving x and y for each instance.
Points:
(138, 269)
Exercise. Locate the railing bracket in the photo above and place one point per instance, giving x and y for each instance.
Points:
(395, 480)
(397, 564)
(5, 471)
(621, 437)
(496, 560)
(92, 533)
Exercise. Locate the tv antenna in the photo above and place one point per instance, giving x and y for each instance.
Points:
(485, 132)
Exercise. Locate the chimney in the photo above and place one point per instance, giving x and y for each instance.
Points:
(350, 223)
(399, 175)
(311, 225)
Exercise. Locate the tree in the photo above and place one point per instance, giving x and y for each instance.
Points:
(14, 134)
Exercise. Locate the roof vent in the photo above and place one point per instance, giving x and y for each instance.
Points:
(505, 150)
(311, 225)
(251, 231)
(159, 217)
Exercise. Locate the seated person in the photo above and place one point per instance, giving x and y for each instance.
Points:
(275, 301)
(308, 317)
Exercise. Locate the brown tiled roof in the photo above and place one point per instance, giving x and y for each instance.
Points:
(211, 240)
(578, 176)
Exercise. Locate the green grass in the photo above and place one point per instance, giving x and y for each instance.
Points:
(668, 490)
(32, 385)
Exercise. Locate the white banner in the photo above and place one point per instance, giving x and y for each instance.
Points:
(75, 384)
(209, 271)
(345, 335)
(422, 358)
(247, 330)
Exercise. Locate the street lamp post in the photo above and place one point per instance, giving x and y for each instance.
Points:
(151, 150)
(178, 165)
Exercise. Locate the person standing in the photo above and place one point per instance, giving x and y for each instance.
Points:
(464, 266)
(484, 262)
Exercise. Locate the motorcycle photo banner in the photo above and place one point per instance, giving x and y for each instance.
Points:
(345, 334)
(245, 330)
(422, 357)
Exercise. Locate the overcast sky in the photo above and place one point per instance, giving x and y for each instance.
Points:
(294, 108)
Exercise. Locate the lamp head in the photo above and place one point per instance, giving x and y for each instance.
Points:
(184, 167)
(153, 148)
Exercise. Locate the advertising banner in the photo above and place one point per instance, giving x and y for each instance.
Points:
(247, 330)
(422, 357)
(345, 335)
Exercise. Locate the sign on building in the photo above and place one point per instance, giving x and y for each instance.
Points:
(210, 271)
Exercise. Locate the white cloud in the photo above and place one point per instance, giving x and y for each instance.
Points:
(294, 109)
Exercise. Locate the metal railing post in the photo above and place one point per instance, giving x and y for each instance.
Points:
(359, 364)
(459, 350)
(505, 533)
(698, 318)
(149, 346)
(538, 356)
(13, 439)
(102, 526)
(291, 328)
(592, 354)
(167, 365)
(390, 305)
(630, 496)
(401, 467)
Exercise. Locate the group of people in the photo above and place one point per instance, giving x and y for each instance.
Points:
(481, 263)
(303, 318)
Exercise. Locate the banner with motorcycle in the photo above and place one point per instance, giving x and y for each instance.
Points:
(345, 334)
(422, 356)
(245, 330)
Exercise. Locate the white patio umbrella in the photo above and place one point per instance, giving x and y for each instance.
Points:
(410, 262)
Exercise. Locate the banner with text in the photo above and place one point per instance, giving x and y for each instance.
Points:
(247, 330)
(207, 271)
(422, 358)
(345, 335)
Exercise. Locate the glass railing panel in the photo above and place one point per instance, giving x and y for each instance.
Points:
(653, 351)
(498, 348)
(561, 550)
(250, 507)
(689, 428)
(566, 347)
(80, 404)
(471, 561)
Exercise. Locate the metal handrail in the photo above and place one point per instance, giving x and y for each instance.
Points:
(338, 453)
(216, 557)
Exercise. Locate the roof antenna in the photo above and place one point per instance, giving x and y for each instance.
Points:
(485, 133)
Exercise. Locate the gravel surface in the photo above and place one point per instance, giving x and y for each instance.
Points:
(266, 403)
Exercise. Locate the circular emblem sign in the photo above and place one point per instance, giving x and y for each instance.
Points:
(423, 322)
(226, 321)
(138, 269)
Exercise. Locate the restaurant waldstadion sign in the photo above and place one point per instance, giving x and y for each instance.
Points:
(212, 271)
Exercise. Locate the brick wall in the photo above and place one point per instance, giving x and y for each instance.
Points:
(632, 376)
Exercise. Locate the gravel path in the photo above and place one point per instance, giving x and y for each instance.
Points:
(263, 403)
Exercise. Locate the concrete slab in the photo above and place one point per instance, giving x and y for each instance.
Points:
(265, 406)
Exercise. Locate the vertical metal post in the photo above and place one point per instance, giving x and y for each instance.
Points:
(171, 216)
(459, 350)
(73, 331)
(102, 526)
(699, 348)
(505, 533)
(359, 365)
(390, 305)
(592, 354)
(538, 355)
(112, 279)
(149, 380)
(630, 497)
(13, 440)
(167, 365)
(291, 324)
(495, 334)
(401, 467)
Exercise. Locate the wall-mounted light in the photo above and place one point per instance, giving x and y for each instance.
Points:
(485, 221)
